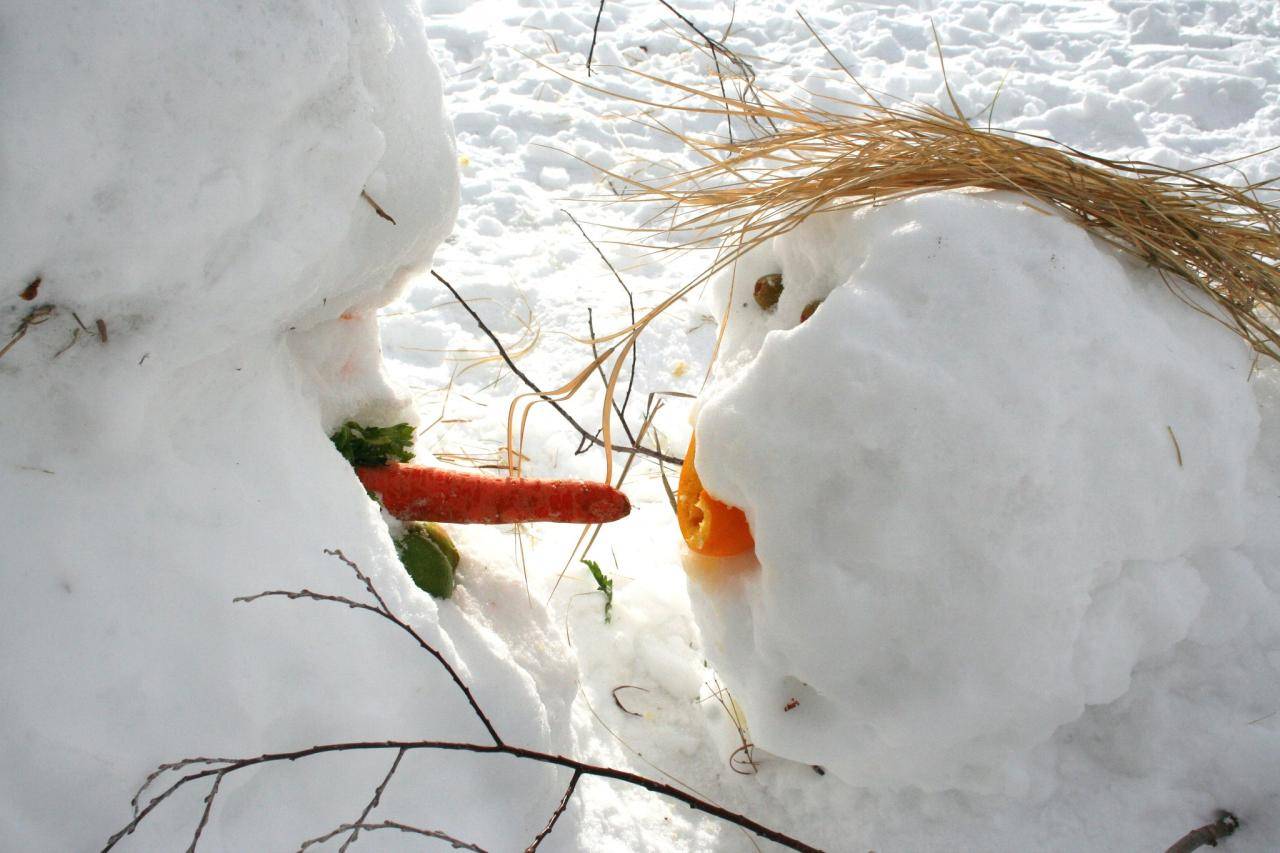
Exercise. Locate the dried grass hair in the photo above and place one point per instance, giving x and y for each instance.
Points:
(1218, 239)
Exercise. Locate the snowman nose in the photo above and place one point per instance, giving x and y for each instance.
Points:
(710, 527)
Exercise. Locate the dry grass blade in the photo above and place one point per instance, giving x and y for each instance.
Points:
(1222, 240)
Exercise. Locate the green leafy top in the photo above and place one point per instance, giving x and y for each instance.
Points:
(605, 585)
(366, 446)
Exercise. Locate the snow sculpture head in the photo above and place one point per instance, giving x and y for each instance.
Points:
(970, 516)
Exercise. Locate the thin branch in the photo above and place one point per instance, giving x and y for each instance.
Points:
(383, 611)
(34, 317)
(165, 768)
(714, 45)
(423, 644)
(618, 410)
(582, 431)
(455, 843)
(208, 808)
(371, 805)
(623, 708)
(1208, 835)
(377, 208)
(555, 816)
(595, 31)
(585, 769)
(631, 302)
(226, 767)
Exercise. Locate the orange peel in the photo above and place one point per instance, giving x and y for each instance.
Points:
(710, 527)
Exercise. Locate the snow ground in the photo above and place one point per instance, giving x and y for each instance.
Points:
(122, 648)
(1180, 84)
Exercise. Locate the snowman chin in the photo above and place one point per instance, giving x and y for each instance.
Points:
(714, 572)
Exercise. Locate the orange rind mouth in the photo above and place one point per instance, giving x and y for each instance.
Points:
(710, 527)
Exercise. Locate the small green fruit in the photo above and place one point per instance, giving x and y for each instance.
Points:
(440, 536)
(429, 556)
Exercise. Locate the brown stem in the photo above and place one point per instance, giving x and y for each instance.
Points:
(555, 816)
(631, 303)
(455, 843)
(595, 31)
(204, 815)
(1207, 835)
(580, 767)
(373, 803)
(222, 767)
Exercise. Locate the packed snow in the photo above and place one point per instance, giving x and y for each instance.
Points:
(1087, 660)
(192, 176)
(970, 515)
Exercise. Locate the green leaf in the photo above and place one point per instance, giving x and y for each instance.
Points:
(605, 585)
(369, 446)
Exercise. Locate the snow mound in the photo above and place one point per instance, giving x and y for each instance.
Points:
(157, 160)
(977, 477)
(198, 178)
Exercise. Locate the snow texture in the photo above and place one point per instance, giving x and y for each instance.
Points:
(970, 514)
(191, 174)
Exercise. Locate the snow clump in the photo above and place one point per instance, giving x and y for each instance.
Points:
(194, 183)
(977, 477)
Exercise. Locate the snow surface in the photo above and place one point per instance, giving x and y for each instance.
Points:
(193, 177)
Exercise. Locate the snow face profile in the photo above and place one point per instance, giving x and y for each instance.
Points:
(979, 478)
(196, 178)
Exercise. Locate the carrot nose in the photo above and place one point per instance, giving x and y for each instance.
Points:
(710, 527)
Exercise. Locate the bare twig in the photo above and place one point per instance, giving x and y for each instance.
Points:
(1177, 449)
(582, 431)
(618, 701)
(34, 317)
(555, 816)
(620, 411)
(165, 768)
(585, 769)
(386, 613)
(371, 805)
(631, 303)
(714, 45)
(75, 336)
(1207, 835)
(224, 767)
(595, 31)
(377, 208)
(204, 816)
(455, 843)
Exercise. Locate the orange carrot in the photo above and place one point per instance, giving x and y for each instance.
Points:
(461, 497)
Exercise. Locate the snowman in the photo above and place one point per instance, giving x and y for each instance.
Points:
(952, 481)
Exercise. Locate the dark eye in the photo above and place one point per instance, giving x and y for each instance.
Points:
(767, 290)
(809, 309)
